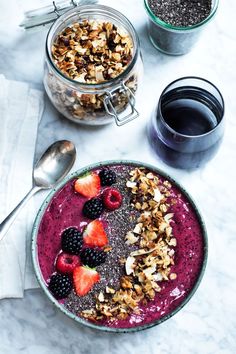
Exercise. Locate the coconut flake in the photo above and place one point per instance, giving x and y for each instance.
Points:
(157, 195)
(168, 217)
(149, 272)
(129, 265)
(131, 238)
(130, 184)
(138, 228)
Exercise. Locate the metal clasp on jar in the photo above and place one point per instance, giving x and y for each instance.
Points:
(115, 95)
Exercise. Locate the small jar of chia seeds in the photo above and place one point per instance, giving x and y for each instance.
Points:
(93, 65)
(174, 25)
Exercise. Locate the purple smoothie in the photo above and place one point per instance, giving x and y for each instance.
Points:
(65, 210)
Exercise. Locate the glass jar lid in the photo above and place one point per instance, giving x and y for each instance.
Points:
(48, 14)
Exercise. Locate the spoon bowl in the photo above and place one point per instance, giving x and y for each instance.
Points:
(54, 164)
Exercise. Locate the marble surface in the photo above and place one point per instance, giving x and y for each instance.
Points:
(207, 324)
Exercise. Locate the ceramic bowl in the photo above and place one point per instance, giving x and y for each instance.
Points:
(80, 320)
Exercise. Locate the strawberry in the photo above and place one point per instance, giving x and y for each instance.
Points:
(95, 235)
(66, 263)
(84, 278)
(88, 185)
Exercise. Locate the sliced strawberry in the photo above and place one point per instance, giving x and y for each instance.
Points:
(84, 279)
(95, 235)
(66, 263)
(88, 185)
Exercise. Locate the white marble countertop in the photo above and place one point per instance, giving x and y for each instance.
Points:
(207, 324)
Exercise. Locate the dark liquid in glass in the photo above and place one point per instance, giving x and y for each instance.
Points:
(191, 112)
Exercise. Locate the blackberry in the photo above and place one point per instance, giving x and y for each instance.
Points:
(72, 241)
(60, 285)
(93, 208)
(107, 177)
(93, 257)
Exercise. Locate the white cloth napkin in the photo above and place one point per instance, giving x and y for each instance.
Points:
(21, 109)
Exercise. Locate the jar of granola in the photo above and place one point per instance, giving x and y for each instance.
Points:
(93, 65)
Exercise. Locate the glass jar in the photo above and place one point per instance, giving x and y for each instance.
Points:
(94, 104)
(171, 39)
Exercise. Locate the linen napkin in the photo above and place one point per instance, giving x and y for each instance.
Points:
(21, 109)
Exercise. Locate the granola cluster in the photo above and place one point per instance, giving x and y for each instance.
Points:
(90, 52)
(151, 262)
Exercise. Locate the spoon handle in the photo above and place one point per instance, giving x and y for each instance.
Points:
(6, 223)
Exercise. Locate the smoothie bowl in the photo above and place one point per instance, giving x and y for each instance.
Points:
(119, 246)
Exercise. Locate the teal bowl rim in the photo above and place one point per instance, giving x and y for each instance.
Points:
(169, 27)
(44, 207)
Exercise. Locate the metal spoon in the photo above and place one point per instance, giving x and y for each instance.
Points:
(52, 167)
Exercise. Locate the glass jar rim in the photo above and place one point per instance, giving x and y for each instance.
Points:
(107, 10)
(168, 26)
(186, 135)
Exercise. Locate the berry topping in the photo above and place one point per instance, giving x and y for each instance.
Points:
(93, 208)
(66, 263)
(84, 278)
(112, 198)
(72, 241)
(88, 185)
(60, 285)
(93, 257)
(95, 235)
(108, 177)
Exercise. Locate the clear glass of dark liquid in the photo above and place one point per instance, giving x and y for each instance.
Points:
(187, 126)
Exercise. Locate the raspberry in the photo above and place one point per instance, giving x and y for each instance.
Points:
(66, 263)
(93, 257)
(112, 198)
(60, 285)
(107, 177)
(72, 241)
(93, 208)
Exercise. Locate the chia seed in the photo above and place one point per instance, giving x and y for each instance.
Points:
(181, 13)
(118, 224)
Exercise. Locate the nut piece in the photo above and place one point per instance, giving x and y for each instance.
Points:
(126, 282)
(173, 276)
